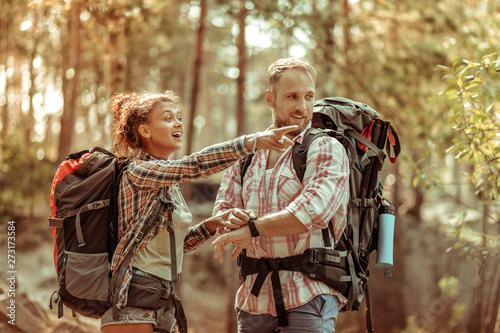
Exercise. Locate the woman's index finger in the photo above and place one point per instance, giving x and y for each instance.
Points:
(286, 129)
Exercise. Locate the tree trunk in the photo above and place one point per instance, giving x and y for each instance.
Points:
(493, 306)
(5, 24)
(397, 189)
(475, 321)
(415, 210)
(31, 114)
(117, 63)
(196, 76)
(328, 88)
(48, 141)
(130, 62)
(232, 284)
(242, 60)
(347, 30)
(418, 195)
(69, 112)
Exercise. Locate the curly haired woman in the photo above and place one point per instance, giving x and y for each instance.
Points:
(148, 129)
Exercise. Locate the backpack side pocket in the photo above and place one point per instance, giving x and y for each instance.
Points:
(87, 275)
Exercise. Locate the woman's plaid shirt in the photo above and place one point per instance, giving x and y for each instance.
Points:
(142, 185)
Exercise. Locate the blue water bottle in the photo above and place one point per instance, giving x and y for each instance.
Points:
(386, 221)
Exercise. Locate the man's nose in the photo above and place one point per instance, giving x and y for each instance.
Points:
(301, 104)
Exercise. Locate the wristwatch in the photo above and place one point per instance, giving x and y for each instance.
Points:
(251, 226)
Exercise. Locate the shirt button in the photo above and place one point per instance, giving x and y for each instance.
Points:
(262, 196)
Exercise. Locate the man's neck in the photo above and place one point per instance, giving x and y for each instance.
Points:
(272, 159)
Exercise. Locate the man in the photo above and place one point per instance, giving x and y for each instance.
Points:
(290, 214)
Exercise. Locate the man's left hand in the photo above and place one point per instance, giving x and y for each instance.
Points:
(240, 237)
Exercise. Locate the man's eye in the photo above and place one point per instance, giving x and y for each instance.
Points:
(168, 118)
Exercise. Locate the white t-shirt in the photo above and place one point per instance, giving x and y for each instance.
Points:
(154, 258)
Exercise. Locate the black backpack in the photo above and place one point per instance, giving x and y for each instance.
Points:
(365, 136)
(84, 221)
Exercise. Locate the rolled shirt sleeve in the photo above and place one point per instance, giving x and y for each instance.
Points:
(325, 191)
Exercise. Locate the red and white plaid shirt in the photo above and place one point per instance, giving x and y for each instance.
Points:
(322, 196)
(141, 186)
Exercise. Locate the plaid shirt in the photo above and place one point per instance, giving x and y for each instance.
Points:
(141, 186)
(322, 196)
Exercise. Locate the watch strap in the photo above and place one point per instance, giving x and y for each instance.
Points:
(251, 226)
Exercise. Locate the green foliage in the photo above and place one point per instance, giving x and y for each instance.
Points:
(476, 246)
(472, 96)
(25, 179)
(412, 326)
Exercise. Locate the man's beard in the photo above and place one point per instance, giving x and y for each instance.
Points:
(279, 123)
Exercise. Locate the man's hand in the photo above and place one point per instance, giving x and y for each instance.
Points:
(240, 237)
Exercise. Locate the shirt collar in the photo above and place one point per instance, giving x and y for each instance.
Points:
(300, 136)
(148, 157)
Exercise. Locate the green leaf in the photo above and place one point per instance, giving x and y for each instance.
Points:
(443, 68)
(416, 180)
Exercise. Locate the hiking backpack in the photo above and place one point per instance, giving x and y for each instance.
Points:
(365, 136)
(84, 221)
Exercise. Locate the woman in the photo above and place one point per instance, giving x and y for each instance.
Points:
(148, 129)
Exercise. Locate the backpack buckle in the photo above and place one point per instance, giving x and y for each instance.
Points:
(367, 203)
(314, 256)
(272, 263)
(98, 205)
(164, 293)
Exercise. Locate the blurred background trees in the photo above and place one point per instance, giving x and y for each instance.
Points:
(430, 67)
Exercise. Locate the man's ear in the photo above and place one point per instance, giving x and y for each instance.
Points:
(144, 131)
(269, 98)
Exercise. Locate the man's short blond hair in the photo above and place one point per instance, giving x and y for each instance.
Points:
(276, 69)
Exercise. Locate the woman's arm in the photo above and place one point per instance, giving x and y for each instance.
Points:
(148, 175)
(230, 220)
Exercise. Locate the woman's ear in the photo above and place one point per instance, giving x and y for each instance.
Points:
(269, 98)
(144, 131)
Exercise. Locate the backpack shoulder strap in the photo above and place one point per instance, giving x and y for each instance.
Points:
(152, 221)
(299, 158)
(245, 163)
(299, 153)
